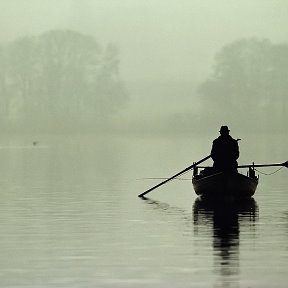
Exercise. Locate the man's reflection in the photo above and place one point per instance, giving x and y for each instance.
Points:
(226, 219)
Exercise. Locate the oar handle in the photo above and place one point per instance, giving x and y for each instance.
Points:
(174, 176)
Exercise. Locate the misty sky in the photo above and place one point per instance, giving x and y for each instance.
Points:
(158, 39)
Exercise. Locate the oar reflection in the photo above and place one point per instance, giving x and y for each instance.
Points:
(167, 208)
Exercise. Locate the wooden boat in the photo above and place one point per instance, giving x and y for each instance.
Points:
(210, 183)
(225, 184)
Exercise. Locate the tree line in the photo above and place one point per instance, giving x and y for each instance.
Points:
(248, 84)
(59, 78)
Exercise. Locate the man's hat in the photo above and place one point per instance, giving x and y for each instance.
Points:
(224, 129)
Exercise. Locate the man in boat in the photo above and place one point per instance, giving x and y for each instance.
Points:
(225, 151)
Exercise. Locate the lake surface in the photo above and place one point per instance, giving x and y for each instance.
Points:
(70, 216)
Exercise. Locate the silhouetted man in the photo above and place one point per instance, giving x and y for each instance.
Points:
(225, 151)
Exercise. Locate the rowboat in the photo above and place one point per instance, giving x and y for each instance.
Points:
(210, 183)
(220, 185)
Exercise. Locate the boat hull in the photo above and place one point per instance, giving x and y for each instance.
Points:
(225, 185)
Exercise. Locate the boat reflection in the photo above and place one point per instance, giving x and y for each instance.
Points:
(226, 220)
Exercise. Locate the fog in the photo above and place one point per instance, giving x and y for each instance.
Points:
(165, 55)
(100, 100)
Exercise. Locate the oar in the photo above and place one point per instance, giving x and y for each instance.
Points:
(178, 174)
(285, 164)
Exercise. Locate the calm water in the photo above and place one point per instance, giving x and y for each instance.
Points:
(70, 216)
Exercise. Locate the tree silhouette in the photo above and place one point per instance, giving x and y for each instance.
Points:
(249, 79)
(59, 75)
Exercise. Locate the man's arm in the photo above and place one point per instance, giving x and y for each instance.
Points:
(214, 151)
(236, 150)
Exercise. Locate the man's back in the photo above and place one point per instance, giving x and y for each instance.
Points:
(225, 152)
